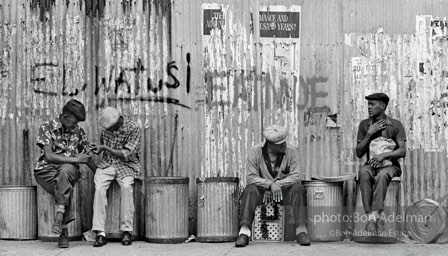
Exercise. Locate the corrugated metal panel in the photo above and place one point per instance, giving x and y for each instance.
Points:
(252, 82)
(102, 53)
(411, 69)
(203, 103)
(18, 212)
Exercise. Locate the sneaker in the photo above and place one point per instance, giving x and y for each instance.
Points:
(57, 226)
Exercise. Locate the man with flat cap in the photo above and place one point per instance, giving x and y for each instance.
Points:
(376, 133)
(273, 175)
(63, 147)
(120, 145)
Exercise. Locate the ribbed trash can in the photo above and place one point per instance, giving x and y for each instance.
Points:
(166, 209)
(113, 211)
(218, 209)
(325, 217)
(18, 213)
(392, 216)
(46, 211)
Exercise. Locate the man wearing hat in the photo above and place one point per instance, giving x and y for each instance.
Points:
(120, 145)
(63, 145)
(378, 131)
(273, 175)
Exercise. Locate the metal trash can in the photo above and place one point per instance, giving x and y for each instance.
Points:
(392, 215)
(325, 216)
(18, 212)
(46, 212)
(218, 203)
(166, 209)
(113, 211)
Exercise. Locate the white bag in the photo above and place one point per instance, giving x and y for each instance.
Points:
(381, 145)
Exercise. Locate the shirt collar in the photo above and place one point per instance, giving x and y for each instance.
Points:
(388, 121)
(58, 125)
(122, 127)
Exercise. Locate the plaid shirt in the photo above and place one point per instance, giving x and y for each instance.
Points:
(66, 144)
(126, 139)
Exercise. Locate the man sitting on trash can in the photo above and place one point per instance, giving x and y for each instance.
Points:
(383, 139)
(120, 145)
(63, 147)
(273, 175)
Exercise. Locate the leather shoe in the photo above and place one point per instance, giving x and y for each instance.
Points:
(57, 226)
(380, 226)
(303, 239)
(242, 241)
(100, 241)
(63, 239)
(371, 226)
(127, 238)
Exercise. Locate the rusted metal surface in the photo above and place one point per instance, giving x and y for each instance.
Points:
(203, 97)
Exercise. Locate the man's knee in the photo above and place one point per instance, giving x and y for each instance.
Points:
(365, 173)
(127, 187)
(298, 188)
(382, 177)
(69, 172)
(251, 190)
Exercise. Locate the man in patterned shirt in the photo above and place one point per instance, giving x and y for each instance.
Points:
(120, 144)
(57, 169)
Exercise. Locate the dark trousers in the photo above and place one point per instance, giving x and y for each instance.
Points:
(294, 195)
(373, 184)
(59, 180)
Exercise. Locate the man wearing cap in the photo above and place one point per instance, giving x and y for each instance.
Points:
(120, 144)
(379, 169)
(63, 147)
(273, 175)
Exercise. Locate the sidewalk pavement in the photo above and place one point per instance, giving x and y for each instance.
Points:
(346, 248)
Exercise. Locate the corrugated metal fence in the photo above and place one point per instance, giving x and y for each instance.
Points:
(203, 80)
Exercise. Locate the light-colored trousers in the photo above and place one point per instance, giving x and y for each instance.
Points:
(103, 178)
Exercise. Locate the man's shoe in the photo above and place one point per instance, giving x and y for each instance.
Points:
(303, 239)
(242, 241)
(63, 239)
(57, 226)
(100, 241)
(127, 238)
(371, 226)
(380, 226)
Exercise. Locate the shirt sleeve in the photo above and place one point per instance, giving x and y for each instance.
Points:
(253, 173)
(401, 133)
(44, 136)
(295, 174)
(361, 132)
(132, 143)
(102, 138)
(83, 141)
